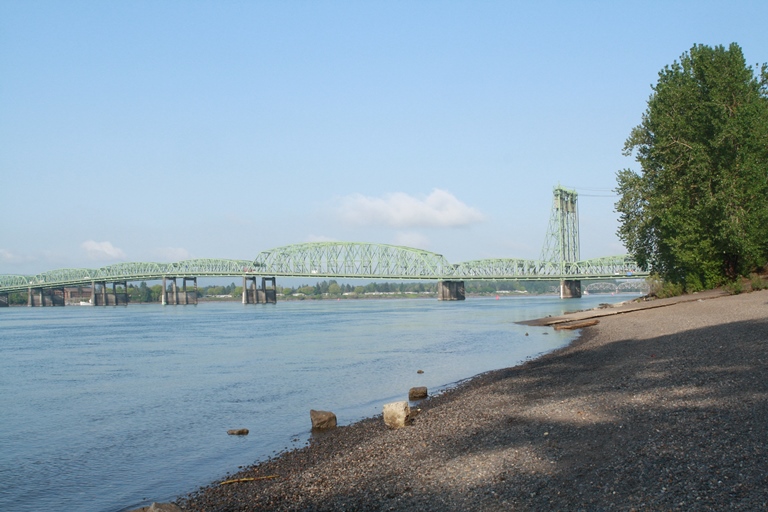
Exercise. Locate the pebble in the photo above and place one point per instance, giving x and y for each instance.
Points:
(684, 430)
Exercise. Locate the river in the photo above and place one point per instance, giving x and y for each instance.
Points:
(105, 409)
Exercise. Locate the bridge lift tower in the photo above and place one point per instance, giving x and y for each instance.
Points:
(561, 245)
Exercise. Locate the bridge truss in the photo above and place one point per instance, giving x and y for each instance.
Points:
(345, 260)
(353, 260)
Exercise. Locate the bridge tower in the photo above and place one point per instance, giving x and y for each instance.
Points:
(561, 245)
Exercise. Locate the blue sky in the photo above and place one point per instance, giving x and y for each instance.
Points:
(167, 130)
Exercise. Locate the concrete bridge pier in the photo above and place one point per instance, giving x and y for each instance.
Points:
(450, 290)
(115, 299)
(270, 293)
(4, 300)
(164, 293)
(45, 297)
(246, 292)
(98, 293)
(177, 298)
(570, 289)
(100, 296)
(263, 295)
(186, 294)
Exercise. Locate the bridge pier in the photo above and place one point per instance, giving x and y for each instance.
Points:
(450, 290)
(53, 297)
(187, 294)
(164, 293)
(176, 298)
(263, 295)
(4, 300)
(101, 297)
(570, 289)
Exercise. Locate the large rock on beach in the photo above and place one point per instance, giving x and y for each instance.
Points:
(396, 414)
(417, 393)
(322, 420)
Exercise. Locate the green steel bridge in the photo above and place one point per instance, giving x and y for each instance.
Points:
(352, 260)
(333, 260)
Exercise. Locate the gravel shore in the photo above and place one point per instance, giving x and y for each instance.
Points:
(658, 409)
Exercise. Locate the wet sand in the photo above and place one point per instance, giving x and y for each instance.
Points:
(662, 408)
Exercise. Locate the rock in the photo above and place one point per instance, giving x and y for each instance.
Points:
(420, 371)
(238, 432)
(164, 507)
(396, 414)
(322, 420)
(417, 393)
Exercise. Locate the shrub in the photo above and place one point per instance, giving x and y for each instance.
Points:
(756, 282)
(735, 287)
(663, 289)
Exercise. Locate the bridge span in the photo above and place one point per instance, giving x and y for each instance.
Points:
(338, 260)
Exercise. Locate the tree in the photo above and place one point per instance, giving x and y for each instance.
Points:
(696, 213)
(334, 289)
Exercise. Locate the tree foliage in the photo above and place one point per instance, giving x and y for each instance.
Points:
(697, 212)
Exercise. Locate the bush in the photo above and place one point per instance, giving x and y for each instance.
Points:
(662, 289)
(735, 287)
(756, 282)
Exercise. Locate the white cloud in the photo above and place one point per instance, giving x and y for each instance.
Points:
(400, 210)
(172, 254)
(7, 256)
(102, 251)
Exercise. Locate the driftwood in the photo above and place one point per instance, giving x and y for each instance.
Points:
(253, 479)
(576, 325)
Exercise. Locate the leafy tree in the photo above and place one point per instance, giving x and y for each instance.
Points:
(696, 213)
(155, 292)
(307, 290)
(334, 289)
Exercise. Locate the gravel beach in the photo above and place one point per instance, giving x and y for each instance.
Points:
(657, 409)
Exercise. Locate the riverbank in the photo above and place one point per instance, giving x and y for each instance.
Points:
(663, 408)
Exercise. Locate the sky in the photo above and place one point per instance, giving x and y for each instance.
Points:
(170, 130)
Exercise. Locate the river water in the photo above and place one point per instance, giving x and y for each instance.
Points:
(109, 408)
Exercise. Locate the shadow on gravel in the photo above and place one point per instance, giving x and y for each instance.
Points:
(674, 422)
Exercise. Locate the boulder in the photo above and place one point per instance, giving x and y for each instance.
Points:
(396, 414)
(322, 420)
(238, 432)
(417, 393)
